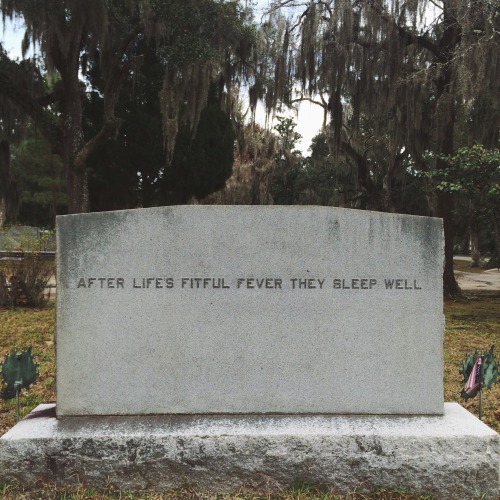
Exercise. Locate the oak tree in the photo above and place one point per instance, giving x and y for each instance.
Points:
(198, 41)
(418, 64)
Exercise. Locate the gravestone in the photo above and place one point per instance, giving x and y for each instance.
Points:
(249, 310)
(219, 347)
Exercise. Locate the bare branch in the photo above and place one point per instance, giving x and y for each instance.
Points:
(323, 104)
(436, 4)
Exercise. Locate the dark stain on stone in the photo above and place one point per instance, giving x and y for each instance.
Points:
(333, 230)
(46, 413)
(132, 450)
(52, 464)
(372, 447)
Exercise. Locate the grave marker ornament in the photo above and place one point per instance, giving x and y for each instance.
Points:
(19, 371)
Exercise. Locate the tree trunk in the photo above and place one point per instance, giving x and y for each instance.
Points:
(474, 247)
(9, 196)
(72, 143)
(444, 210)
(465, 246)
(387, 192)
(444, 200)
(473, 236)
(445, 127)
(78, 189)
(495, 256)
(372, 199)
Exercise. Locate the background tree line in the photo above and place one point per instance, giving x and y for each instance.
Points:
(139, 104)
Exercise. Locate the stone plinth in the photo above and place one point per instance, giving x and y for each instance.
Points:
(215, 309)
(452, 456)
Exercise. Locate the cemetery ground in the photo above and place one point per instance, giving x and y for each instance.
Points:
(472, 322)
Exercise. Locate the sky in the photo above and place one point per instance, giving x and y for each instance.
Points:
(309, 117)
(11, 36)
(12, 33)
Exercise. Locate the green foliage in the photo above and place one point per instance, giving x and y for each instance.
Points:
(124, 172)
(19, 371)
(326, 179)
(489, 368)
(363, 174)
(287, 163)
(39, 176)
(472, 172)
(287, 134)
(132, 169)
(201, 164)
(23, 278)
(200, 30)
(196, 43)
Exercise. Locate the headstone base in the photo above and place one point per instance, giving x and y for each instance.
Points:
(450, 456)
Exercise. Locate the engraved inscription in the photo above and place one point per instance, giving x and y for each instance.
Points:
(354, 283)
(203, 283)
(101, 283)
(260, 283)
(307, 283)
(401, 284)
(249, 283)
(153, 282)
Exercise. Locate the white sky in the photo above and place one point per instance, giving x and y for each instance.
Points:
(11, 37)
(309, 117)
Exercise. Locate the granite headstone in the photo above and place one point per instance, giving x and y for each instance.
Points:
(217, 309)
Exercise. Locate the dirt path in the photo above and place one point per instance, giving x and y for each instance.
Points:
(487, 280)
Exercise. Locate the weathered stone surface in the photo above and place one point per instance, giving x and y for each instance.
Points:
(160, 311)
(453, 456)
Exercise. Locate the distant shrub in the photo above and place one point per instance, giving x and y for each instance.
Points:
(24, 277)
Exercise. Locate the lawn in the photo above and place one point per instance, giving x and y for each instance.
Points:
(464, 266)
(472, 322)
(20, 329)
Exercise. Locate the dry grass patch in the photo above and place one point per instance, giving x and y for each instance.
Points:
(472, 322)
(303, 492)
(19, 329)
(463, 266)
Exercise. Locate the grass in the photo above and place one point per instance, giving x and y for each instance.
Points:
(463, 266)
(472, 322)
(300, 492)
(19, 329)
(460, 265)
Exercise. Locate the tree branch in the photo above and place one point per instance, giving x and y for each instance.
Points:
(117, 73)
(108, 130)
(408, 37)
(47, 99)
(436, 4)
(15, 87)
(309, 99)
